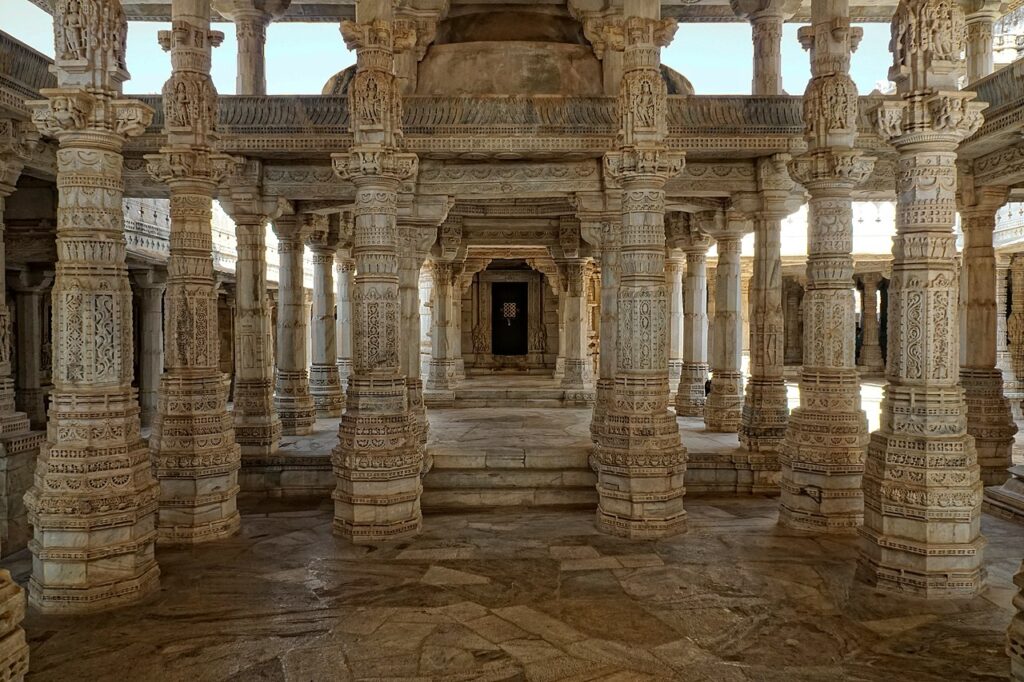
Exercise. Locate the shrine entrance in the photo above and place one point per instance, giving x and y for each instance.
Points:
(510, 318)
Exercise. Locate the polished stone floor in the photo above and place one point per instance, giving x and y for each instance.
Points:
(529, 595)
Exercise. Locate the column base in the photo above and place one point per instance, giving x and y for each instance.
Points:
(690, 397)
(18, 454)
(675, 371)
(294, 404)
(641, 463)
(325, 387)
(577, 376)
(1015, 633)
(871, 361)
(71, 600)
(93, 507)
(822, 456)
(1007, 500)
(764, 415)
(602, 401)
(922, 498)
(723, 408)
(442, 376)
(377, 464)
(990, 421)
(13, 648)
(196, 459)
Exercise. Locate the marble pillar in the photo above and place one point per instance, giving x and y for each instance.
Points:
(604, 389)
(794, 335)
(765, 406)
(193, 440)
(251, 18)
(870, 360)
(766, 18)
(690, 396)
(989, 418)
(1011, 386)
(577, 376)
(344, 270)
(559, 372)
(1015, 634)
(93, 503)
(442, 376)
(674, 267)
(822, 457)
(922, 485)
(724, 406)
(30, 287)
(292, 398)
(151, 285)
(378, 461)
(257, 424)
(981, 16)
(1015, 321)
(640, 460)
(324, 380)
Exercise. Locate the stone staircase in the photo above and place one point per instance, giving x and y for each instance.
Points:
(509, 476)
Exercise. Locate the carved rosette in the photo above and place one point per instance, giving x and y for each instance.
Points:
(93, 500)
(922, 490)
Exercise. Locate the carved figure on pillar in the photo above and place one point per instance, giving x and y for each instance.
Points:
(257, 424)
(640, 459)
(292, 398)
(193, 440)
(922, 485)
(822, 457)
(378, 460)
(94, 499)
(324, 381)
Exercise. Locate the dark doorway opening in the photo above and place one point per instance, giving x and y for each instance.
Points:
(509, 318)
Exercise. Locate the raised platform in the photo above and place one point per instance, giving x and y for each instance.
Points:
(509, 390)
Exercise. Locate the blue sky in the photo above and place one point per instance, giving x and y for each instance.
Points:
(717, 58)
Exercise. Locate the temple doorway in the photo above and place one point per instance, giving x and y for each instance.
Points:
(510, 318)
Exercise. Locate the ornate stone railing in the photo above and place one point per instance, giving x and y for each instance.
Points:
(1003, 90)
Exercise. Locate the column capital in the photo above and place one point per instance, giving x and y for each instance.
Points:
(759, 10)
(149, 278)
(295, 228)
(18, 140)
(870, 280)
(249, 11)
(30, 281)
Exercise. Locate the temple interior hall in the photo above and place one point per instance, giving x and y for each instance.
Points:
(511, 340)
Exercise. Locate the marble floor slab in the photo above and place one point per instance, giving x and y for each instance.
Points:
(529, 595)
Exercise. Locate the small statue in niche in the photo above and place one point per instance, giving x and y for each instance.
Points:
(70, 29)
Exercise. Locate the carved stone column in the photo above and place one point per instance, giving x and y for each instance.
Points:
(151, 284)
(93, 503)
(1011, 386)
(766, 18)
(989, 418)
(193, 441)
(292, 398)
(30, 286)
(1015, 320)
(257, 424)
(442, 375)
(607, 360)
(345, 268)
(724, 407)
(980, 19)
(378, 460)
(559, 372)
(674, 265)
(640, 460)
(794, 337)
(690, 396)
(251, 18)
(324, 381)
(922, 489)
(765, 406)
(822, 458)
(870, 361)
(578, 374)
(1015, 635)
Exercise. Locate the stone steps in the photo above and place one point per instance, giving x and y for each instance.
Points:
(462, 479)
(540, 396)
